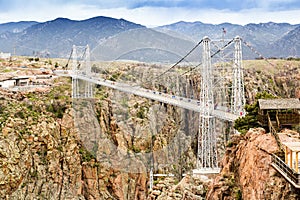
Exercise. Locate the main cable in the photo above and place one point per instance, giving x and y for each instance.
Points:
(179, 60)
(218, 51)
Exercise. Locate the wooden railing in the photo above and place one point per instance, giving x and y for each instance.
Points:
(274, 132)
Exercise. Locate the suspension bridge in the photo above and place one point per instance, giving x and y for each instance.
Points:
(210, 105)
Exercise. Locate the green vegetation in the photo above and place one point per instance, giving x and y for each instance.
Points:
(142, 112)
(34, 173)
(136, 149)
(233, 188)
(35, 107)
(33, 59)
(243, 124)
(292, 58)
(86, 155)
(238, 194)
(58, 100)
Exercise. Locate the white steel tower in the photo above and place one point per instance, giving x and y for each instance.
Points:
(238, 97)
(88, 90)
(74, 72)
(207, 161)
(81, 66)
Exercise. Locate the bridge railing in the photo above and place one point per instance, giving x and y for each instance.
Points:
(290, 173)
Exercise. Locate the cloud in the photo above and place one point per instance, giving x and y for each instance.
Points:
(272, 5)
(233, 5)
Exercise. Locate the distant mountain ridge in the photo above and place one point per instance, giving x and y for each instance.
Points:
(56, 37)
(16, 27)
(143, 44)
(262, 36)
(111, 38)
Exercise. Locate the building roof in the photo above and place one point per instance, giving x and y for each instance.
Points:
(269, 104)
(294, 146)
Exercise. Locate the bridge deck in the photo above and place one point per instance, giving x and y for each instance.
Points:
(178, 101)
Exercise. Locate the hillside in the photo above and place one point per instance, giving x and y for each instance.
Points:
(145, 45)
(288, 44)
(16, 27)
(55, 38)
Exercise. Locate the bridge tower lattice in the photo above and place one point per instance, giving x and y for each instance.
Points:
(238, 97)
(81, 65)
(207, 145)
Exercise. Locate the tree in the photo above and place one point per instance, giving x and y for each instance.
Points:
(243, 124)
(56, 65)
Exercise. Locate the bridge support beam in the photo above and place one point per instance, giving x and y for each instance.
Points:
(207, 160)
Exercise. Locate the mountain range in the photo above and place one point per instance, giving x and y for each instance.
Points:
(113, 39)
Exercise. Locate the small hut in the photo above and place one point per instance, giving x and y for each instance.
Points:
(279, 113)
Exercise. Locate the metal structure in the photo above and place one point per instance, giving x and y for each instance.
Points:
(207, 155)
(75, 80)
(286, 171)
(151, 178)
(238, 97)
(81, 65)
(207, 145)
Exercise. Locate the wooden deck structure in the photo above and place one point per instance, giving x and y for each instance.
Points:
(288, 173)
(290, 167)
(276, 114)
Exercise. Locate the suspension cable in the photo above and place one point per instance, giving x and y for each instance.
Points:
(221, 49)
(191, 69)
(69, 59)
(218, 51)
(180, 60)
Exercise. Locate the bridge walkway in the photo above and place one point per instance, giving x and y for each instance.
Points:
(182, 102)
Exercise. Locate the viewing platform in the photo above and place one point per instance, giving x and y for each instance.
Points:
(286, 171)
(289, 166)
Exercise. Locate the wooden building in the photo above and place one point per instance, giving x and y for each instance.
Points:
(279, 113)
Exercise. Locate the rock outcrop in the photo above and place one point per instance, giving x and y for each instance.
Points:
(247, 173)
(189, 188)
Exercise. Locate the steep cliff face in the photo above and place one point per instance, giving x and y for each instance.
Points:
(247, 173)
(53, 147)
(37, 133)
(43, 156)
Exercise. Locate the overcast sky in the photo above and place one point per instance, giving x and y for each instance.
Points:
(154, 12)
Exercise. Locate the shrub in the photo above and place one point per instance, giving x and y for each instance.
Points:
(243, 124)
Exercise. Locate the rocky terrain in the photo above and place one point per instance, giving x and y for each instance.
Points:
(246, 171)
(56, 147)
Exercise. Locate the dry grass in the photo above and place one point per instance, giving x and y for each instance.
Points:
(271, 66)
